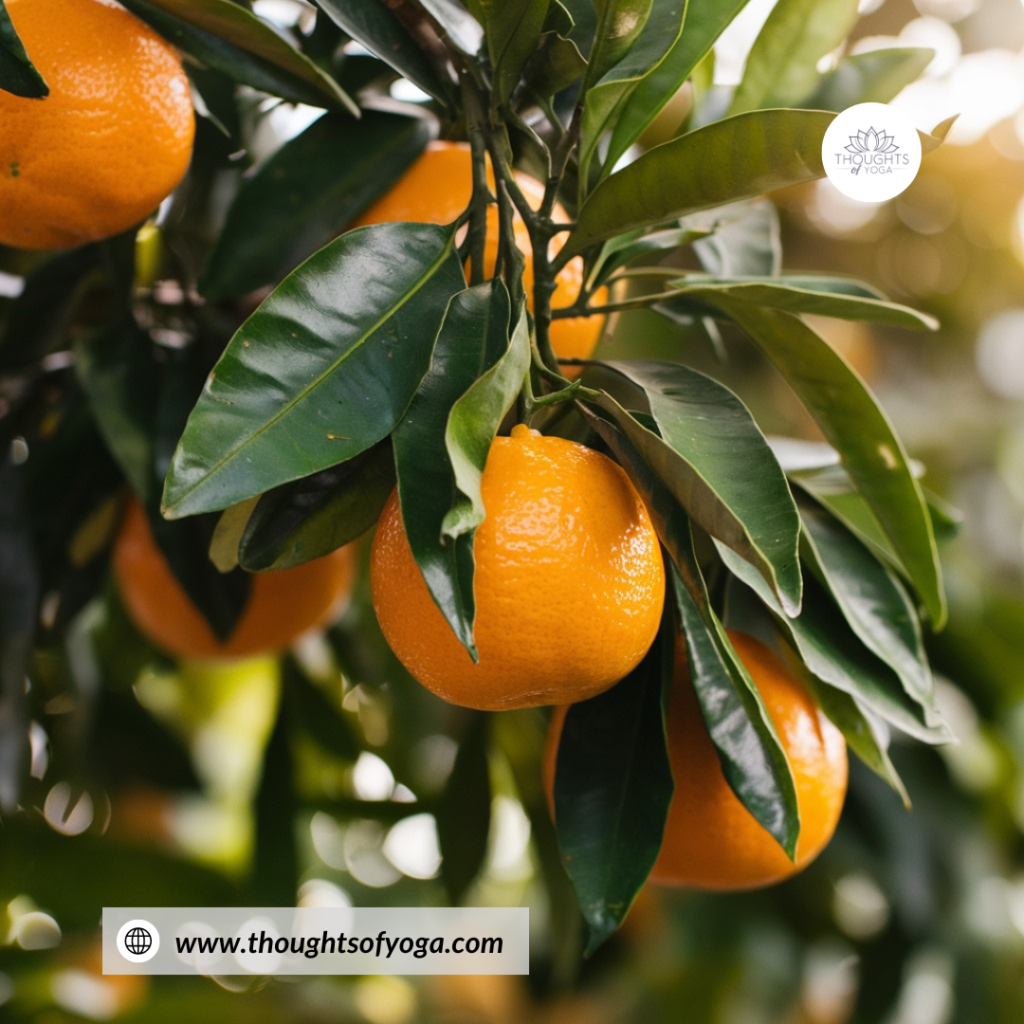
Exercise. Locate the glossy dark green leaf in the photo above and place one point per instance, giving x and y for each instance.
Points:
(613, 786)
(376, 26)
(873, 77)
(309, 191)
(738, 158)
(474, 336)
(865, 735)
(606, 97)
(715, 461)
(312, 517)
(748, 747)
(833, 653)
(19, 594)
(623, 250)
(473, 423)
(793, 296)
(464, 811)
(513, 29)
(230, 38)
(744, 242)
(458, 26)
(140, 406)
(521, 738)
(853, 423)
(323, 370)
(18, 75)
(871, 599)
(947, 520)
(274, 879)
(619, 24)
(315, 714)
(705, 21)
(555, 66)
(782, 66)
(830, 485)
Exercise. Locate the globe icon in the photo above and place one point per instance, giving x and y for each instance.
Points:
(138, 941)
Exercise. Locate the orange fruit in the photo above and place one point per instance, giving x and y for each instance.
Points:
(437, 189)
(281, 606)
(711, 840)
(569, 582)
(112, 139)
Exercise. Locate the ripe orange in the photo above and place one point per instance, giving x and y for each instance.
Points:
(437, 188)
(282, 605)
(569, 582)
(109, 143)
(711, 840)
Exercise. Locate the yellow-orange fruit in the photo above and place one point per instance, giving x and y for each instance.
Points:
(112, 139)
(711, 840)
(569, 582)
(281, 606)
(437, 188)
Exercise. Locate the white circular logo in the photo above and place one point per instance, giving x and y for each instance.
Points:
(138, 941)
(871, 152)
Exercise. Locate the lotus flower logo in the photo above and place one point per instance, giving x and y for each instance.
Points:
(871, 142)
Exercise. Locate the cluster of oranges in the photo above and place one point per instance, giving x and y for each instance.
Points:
(569, 579)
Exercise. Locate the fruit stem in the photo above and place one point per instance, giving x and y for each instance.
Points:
(481, 197)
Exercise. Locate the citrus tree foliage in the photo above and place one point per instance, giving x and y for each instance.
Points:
(257, 389)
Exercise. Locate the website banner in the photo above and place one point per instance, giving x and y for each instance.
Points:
(217, 941)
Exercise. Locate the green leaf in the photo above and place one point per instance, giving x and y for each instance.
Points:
(705, 21)
(312, 517)
(800, 296)
(18, 75)
(319, 717)
(464, 811)
(865, 735)
(782, 66)
(274, 878)
(619, 23)
(624, 249)
(833, 653)
(873, 77)
(931, 141)
(323, 370)
(872, 601)
(228, 37)
(512, 29)
(457, 24)
(740, 727)
(718, 466)
(752, 757)
(474, 336)
(853, 423)
(139, 405)
(745, 242)
(376, 26)
(556, 64)
(830, 485)
(833, 488)
(607, 96)
(309, 191)
(613, 787)
(738, 158)
(473, 423)
(117, 372)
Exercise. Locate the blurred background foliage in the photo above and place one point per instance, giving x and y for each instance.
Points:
(268, 782)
